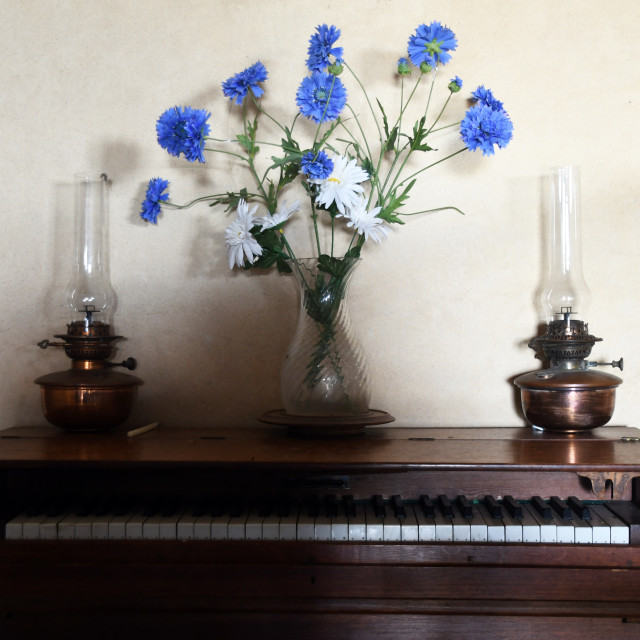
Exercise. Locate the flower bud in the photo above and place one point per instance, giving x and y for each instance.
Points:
(336, 68)
(455, 85)
(425, 67)
(403, 67)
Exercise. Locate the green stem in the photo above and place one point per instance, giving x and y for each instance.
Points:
(433, 164)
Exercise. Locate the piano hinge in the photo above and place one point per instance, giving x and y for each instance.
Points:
(608, 485)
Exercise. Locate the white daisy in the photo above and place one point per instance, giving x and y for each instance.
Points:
(366, 222)
(267, 222)
(240, 243)
(343, 185)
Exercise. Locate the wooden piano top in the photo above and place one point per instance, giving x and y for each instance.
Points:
(519, 448)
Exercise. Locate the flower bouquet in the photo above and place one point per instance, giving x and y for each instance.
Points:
(354, 184)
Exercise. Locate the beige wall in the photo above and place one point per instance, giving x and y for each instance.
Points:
(444, 309)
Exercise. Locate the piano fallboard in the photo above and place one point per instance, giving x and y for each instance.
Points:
(316, 588)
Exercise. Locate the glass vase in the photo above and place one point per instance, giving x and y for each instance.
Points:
(325, 373)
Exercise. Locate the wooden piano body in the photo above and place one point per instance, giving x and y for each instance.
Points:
(318, 589)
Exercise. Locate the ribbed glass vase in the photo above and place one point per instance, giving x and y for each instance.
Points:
(325, 372)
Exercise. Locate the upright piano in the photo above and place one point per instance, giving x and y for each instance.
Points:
(399, 533)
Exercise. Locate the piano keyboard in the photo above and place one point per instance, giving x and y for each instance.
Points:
(438, 519)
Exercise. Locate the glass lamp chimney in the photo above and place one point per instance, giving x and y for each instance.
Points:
(565, 294)
(90, 296)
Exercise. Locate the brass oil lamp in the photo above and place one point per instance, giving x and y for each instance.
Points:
(570, 395)
(90, 396)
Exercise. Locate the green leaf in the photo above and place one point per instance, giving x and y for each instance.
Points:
(394, 203)
(417, 141)
(390, 136)
(231, 199)
(248, 144)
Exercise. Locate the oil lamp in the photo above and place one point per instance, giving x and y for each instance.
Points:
(568, 396)
(90, 396)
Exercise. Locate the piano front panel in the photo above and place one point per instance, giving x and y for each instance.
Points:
(250, 586)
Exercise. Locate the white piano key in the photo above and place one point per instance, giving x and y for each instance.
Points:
(271, 527)
(340, 526)
(208, 527)
(375, 525)
(444, 527)
(253, 525)
(582, 531)
(134, 525)
(426, 525)
(547, 525)
(306, 524)
(391, 527)
(495, 526)
(619, 531)
(477, 526)
(600, 530)
(461, 526)
(184, 529)
(25, 526)
(67, 526)
(409, 525)
(289, 524)
(100, 525)
(49, 526)
(31, 526)
(118, 524)
(358, 524)
(236, 526)
(151, 527)
(13, 528)
(530, 527)
(512, 528)
(322, 528)
(83, 526)
(169, 525)
(565, 531)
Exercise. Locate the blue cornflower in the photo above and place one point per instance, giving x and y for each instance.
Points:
(485, 96)
(237, 86)
(321, 97)
(484, 127)
(431, 44)
(153, 198)
(183, 130)
(455, 85)
(317, 166)
(321, 47)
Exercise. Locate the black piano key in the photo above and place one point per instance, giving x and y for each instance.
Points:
(445, 506)
(264, 509)
(149, 509)
(283, 507)
(331, 506)
(427, 506)
(216, 507)
(378, 507)
(312, 506)
(561, 508)
(512, 506)
(349, 506)
(169, 509)
(541, 507)
(398, 507)
(579, 508)
(466, 507)
(493, 506)
(235, 507)
(629, 512)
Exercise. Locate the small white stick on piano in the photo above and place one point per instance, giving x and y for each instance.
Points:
(138, 432)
